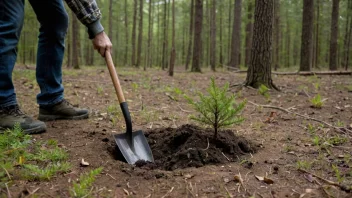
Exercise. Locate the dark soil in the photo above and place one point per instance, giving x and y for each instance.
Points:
(192, 146)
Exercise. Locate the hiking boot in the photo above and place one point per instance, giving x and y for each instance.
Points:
(11, 115)
(62, 111)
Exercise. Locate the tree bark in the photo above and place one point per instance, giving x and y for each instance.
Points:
(197, 47)
(249, 33)
(173, 48)
(317, 46)
(126, 33)
(221, 58)
(140, 34)
(134, 27)
(149, 52)
(334, 35)
(348, 35)
(307, 35)
(213, 37)
(259, 71)
(191, 27)
(236, 36)
(276, 34)
(75, 42)
(288, 40)
(165, 41)
(110, 20)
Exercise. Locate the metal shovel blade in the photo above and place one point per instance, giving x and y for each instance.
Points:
(133, 151)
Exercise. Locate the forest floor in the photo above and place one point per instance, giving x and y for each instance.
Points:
(283, 143)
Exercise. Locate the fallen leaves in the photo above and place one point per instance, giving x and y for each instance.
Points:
(264, 179)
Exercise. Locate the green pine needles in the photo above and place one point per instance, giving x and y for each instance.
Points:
(217, 109)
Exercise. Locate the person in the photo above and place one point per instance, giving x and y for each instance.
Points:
(53, 20)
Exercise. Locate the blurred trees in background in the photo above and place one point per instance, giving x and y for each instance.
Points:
(141, 30)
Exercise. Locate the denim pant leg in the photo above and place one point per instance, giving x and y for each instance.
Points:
(11, 22)
(53, 20)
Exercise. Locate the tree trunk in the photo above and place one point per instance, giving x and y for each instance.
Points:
(110, 20)
(221, 58)
(197, 47)
(134, 27)
(140, 32)
(348, 35)
(126, 33)
(249, 33)
(276, 34)
(213, 36)
(307, 35)
(288, 40)
(259, 71)
(75, 42)
(149, 52)
(236, 36)
(173, 48)
(165, 42)
(191, 27)
(317, 46)
(334, 35)
(229, 33)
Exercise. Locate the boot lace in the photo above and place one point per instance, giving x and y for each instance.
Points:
(12, 110)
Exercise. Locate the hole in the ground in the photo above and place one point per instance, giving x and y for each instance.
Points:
(190, 146)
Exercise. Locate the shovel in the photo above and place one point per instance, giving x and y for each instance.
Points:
(133, 145)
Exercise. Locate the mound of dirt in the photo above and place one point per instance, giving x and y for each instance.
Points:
(192, 146)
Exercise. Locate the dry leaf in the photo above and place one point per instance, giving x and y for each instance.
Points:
(268, 180)
(84, 163)
(259, 178)
(188, 176)
(238, 178)
(264, 179)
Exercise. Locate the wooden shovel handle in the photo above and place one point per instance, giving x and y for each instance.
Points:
(114, 77)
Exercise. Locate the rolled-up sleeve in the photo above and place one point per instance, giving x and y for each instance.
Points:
(88, 13)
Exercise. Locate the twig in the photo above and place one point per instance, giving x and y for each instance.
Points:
(8, 191)
(170, 191)
(110, 176)
(31, 193)
(228, 193)
(303, 116)
(326, 192)
(225, 156)
(7, 173)
(183, 109)
(342, 187)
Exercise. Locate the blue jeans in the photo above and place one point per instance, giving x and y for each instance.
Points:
(53, 20)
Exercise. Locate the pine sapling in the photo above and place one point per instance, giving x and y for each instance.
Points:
(218, 109)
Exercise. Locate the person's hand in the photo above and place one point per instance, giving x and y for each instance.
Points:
(102, 43)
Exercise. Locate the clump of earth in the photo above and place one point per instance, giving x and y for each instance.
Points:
(192, 146)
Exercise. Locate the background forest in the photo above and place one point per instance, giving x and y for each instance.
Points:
(141, 32)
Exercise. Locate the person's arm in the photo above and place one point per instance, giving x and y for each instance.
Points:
(89, 14)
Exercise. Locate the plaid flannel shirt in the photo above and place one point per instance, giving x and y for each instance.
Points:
(88, 13)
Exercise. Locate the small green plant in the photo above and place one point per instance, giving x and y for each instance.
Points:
(316, 140)
(217, 109)
(317, 101)
(338, 175)
(264, 91)
(27, 159)
(304, 165)
(83, 187)
(311, 128)
(316, 85)
(100, 90)
(135, 87)
(340, 123)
